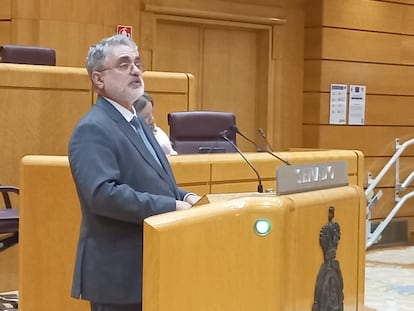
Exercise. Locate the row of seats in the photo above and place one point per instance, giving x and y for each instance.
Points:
(22, 54)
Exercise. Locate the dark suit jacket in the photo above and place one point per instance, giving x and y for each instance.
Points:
(119, 184)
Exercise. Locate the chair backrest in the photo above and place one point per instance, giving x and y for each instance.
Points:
(22, 54)
(9, 219)
(5, 191)
(199, 131)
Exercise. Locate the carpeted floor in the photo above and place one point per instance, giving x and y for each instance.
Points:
(389, 279)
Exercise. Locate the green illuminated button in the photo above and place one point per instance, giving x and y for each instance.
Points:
(262, 227)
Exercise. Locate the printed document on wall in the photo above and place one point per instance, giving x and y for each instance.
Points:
(337, 111)
(356, 104)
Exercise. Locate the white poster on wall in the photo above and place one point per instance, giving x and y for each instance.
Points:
(337, 111)
(356, 104)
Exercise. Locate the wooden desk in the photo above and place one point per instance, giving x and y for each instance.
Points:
(224, 173)
(50, 212)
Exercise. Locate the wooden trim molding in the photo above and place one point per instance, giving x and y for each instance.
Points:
(214, 15)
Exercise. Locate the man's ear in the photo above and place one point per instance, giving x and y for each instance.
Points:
(97, 79)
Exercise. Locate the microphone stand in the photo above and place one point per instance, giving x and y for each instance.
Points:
(262, 133)
(260, 147)
(259, 186)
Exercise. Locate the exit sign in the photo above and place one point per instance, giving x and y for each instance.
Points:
(124, 30)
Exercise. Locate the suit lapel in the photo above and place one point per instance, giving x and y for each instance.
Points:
(133, 136)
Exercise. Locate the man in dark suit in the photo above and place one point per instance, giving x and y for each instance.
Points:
(122, 176)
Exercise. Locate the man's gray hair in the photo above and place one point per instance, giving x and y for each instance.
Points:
(95, 61)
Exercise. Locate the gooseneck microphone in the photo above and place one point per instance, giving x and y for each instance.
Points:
(262, 133)
(223, 135)
(234, 128)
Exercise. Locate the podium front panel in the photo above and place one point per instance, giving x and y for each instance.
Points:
(212, 258)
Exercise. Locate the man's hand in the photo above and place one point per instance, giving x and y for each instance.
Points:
(180, 205)
(192, 199)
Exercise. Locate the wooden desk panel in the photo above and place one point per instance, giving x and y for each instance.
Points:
(230, 173)
(40, 106)
(221, 256)
(49, 228)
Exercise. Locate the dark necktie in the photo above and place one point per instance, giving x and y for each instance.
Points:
(144, 138)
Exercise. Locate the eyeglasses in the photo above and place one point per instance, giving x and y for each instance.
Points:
(126, 66)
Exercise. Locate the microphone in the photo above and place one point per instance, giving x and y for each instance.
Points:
(223, 135)
(233, 127)
(262, 133)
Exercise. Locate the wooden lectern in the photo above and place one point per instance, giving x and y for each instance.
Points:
(257, 253)
(205, 258)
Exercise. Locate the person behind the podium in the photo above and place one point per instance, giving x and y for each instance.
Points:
(122, 176)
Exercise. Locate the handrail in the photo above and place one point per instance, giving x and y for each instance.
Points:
(385, 169)
(377, 233)
(372, 237)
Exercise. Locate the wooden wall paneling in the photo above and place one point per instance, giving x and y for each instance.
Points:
(315, 108)
(73, 11)
(371, 140)
(229, 77)
(5, 10)
(25, 32)
(367, 46)
(395, 79)
(64, 35)
(399, 1)
(313, 43)
(71, 27)
(22, 9)
(313, 9)
(177, 48)
(165, 103)
(5, 22)
(171, 92)
(288, 113)
(264, 97)
(380, 110)
(5, 32)
(147, 38)
(105, 12)
(377, 15)
(389, 110)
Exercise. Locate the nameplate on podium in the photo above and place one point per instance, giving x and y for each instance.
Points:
(314, 176)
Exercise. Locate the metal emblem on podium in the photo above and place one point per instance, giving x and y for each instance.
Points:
(329, 294)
